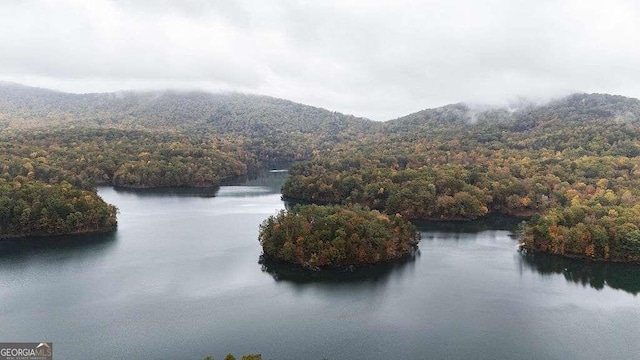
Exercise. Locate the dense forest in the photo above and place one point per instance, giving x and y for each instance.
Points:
(317, 236)
(127, 158)
(56, 141)
(32, 208)
(572, 163)
(570, 166)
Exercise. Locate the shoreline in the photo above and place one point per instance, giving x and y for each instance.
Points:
(525, 250)
(84, 232)
(266, 260)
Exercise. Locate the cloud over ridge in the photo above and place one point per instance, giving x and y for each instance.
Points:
(378, 59)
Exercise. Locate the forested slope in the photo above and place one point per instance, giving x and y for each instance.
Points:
(189, 111)
(571, 163)
(149, 139)
(260, 130)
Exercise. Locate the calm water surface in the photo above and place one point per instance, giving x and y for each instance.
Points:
(180, 279)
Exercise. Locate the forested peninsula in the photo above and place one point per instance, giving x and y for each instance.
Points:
(569, 166)
(318, 236)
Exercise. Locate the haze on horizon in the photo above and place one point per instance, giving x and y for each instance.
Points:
(377, 59)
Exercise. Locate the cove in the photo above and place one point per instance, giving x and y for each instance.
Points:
(181, 279)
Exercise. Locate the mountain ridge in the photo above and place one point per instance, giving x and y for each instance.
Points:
(223, 112)
(219, 105)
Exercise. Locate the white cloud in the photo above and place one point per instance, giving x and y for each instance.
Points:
(380, 59)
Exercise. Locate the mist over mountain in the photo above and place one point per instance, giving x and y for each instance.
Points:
(23, 106)
(196, 111)
(579, 106)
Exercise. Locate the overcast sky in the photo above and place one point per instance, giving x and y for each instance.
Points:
(377, 59)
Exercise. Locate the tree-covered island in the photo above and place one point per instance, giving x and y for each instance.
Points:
(318, 236)
(34, 208)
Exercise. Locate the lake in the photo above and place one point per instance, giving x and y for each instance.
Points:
(181, 279)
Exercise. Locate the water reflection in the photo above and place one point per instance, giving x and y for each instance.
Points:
(270, 181)
(489, 222)
(594, 274)
(62, 247)
(372, 274)
(170, 191)
(243, 191)
(263, 183)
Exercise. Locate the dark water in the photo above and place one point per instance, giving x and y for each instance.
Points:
(180, 279)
